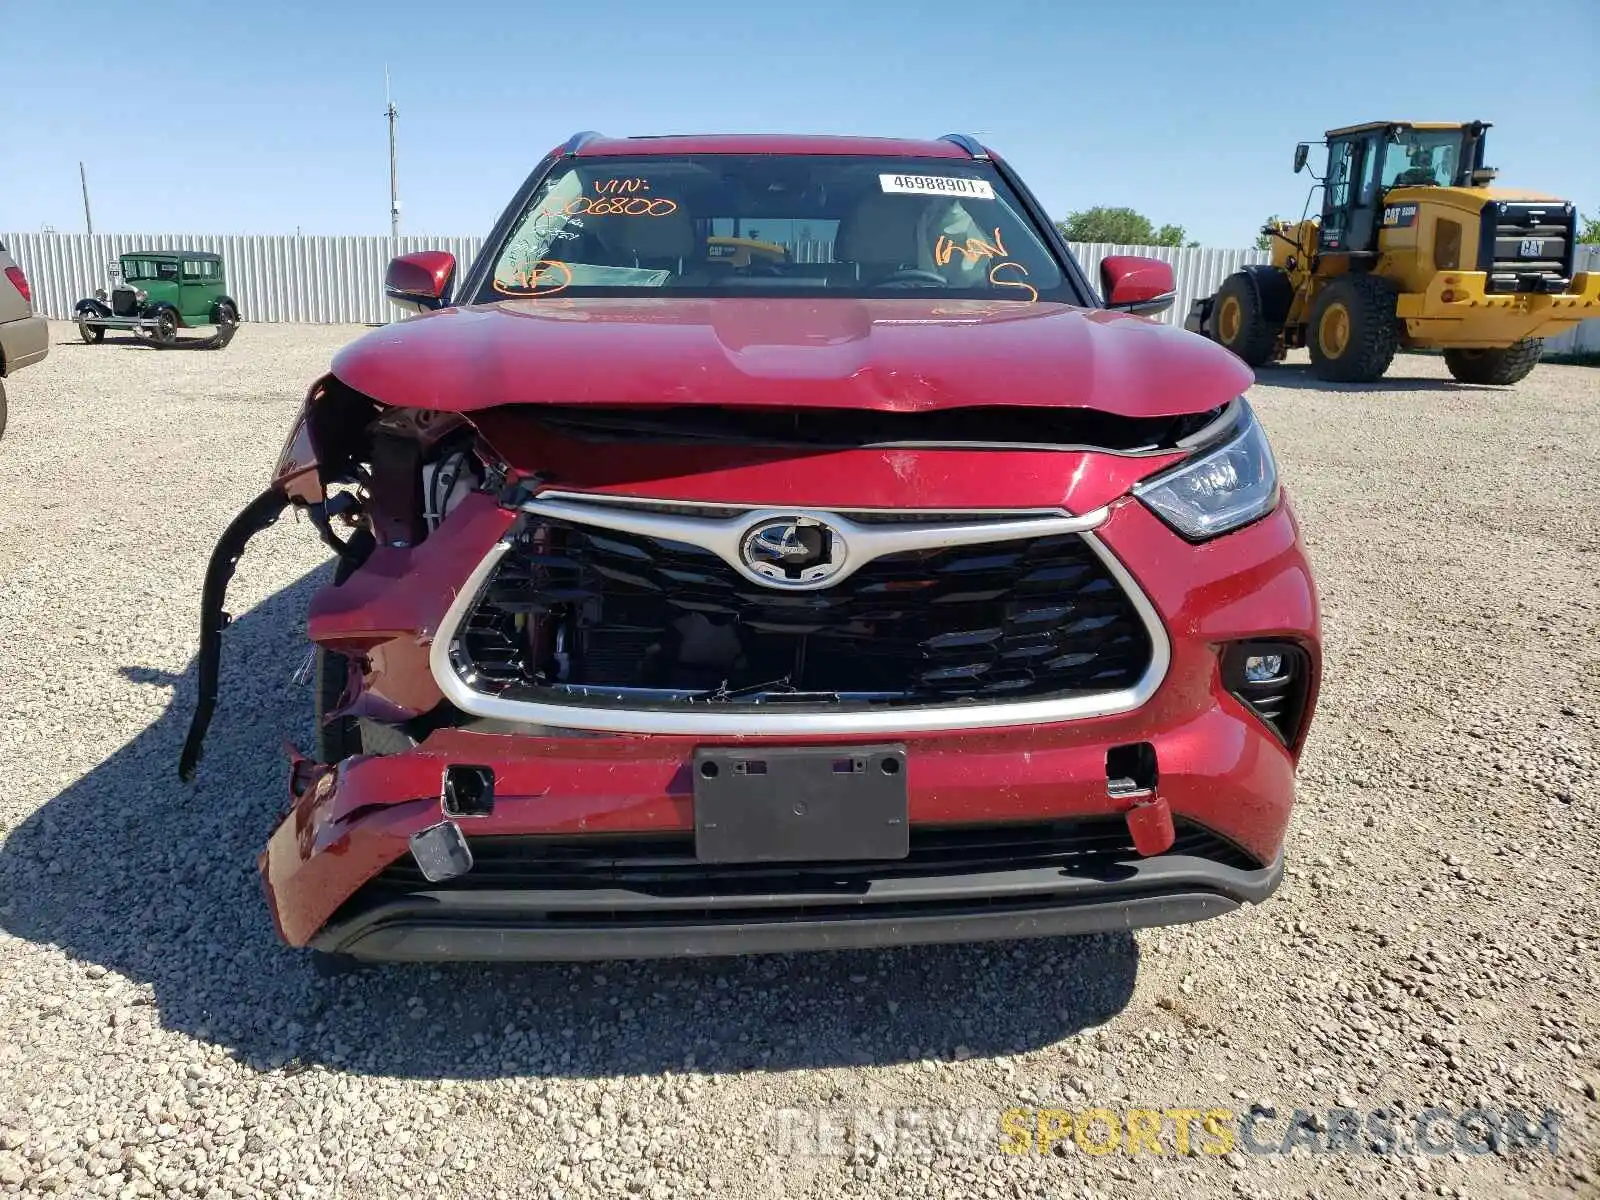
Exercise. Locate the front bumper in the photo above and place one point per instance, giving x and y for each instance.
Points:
(1458, 310)
(1223, 775)
(607, 923)
(97, 322)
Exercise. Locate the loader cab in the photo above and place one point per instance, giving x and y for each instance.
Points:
(1366, 161)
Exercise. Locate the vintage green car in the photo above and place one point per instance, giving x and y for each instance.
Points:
(158, 292)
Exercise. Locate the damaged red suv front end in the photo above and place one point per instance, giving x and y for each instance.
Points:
(694, 600)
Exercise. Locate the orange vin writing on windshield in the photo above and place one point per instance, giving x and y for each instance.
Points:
(543, 278)
(974, 249)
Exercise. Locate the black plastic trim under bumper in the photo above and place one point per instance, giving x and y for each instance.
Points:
(466, 925)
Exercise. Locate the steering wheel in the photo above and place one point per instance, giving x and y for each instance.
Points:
(907, 276)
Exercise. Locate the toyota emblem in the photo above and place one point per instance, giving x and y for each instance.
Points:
(792, 551)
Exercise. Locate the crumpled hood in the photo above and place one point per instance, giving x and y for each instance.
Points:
(893, 355)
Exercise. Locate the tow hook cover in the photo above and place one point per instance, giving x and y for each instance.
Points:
(1150, 824)
(441, 852)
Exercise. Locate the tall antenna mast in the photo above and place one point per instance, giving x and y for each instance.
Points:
(391, 112)
(83, 178)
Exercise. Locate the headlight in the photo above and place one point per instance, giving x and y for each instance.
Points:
(140, 295)
(99, 293)
(1219, 490)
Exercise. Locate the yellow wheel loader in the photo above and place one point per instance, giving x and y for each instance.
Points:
(1412, 249)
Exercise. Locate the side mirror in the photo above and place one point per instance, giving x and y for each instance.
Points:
(1301, 153)
(1135, 284)
(421, 281)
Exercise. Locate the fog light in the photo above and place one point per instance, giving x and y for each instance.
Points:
(1273, 679)
(1262, 668)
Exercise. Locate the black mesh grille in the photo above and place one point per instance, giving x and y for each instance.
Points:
(123, 303)
(664, 864)
(573, 611)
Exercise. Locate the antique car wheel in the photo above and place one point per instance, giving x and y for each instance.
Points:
(91, 333)
(166, 330)
(227, 326)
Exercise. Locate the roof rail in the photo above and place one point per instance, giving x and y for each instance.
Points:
(968, 143)
(579, 140)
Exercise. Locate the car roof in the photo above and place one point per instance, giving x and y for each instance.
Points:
(190, 255)
(596, 145)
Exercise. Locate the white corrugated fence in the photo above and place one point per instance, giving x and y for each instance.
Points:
(317, 280)
(333, 280)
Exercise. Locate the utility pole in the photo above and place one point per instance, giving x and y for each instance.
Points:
(391, 112)
(83, 178)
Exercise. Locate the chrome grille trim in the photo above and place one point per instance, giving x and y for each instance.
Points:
(861, 543)
(707, 721)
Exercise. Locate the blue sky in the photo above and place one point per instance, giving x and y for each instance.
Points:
(203, 117)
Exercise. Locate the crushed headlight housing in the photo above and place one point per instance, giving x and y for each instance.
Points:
(1220, 489)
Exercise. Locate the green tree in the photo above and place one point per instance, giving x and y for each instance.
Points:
(1264, 241)
(1589, 230)
(1121, 226)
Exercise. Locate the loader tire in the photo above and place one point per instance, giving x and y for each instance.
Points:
(1353, 334)
(1237, 322)
(1495, 366)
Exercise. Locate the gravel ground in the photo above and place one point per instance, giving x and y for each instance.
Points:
(1434, 942)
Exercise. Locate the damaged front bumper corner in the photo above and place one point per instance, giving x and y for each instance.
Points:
(261, 512)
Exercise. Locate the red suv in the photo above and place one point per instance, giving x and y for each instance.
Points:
(772, 543)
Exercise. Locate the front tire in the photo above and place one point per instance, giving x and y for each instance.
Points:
(1238, 324)
(1509, 365)
(166, 331)
(340, 738)
(1354, 333)
(91, 334)
(2, 410)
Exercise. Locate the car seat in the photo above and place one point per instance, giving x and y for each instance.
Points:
(881, 236)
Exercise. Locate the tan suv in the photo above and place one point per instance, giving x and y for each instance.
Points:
(24, 338)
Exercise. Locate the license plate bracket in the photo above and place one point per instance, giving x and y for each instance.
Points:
(800, 804)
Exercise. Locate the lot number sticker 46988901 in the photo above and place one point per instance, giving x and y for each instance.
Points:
(937, 185)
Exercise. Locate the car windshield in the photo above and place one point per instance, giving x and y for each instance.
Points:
(148, 268)
(743, 224)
